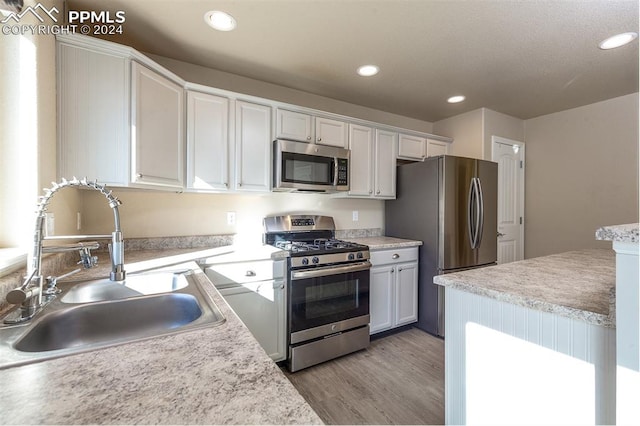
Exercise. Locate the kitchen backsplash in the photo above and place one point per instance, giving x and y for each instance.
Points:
(343, 234)
(56, 263)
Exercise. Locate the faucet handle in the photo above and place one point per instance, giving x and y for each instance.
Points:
(86, 260)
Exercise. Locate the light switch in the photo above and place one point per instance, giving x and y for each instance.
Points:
(354, 215)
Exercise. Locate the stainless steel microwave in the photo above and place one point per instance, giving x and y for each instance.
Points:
(300, 166)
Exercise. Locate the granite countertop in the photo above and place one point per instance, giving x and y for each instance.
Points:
(383, 243)
(215, 375)
(577, 284)
(628, 233)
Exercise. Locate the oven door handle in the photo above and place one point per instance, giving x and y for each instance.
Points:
(331, 270)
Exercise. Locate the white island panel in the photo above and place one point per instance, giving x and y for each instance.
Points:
(509, 364)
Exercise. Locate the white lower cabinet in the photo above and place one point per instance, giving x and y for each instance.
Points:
(256, 291)
(393, 288)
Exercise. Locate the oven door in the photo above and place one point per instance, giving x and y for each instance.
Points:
(328, 300)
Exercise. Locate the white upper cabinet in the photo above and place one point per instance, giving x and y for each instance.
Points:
(303, 127)
(412, 147)
(331, 132)
(361, 161)
(385, 164)
(372, 169)
(252, 147)
(436, 147)
(93, 115)
(207, 142)
(157, 133)
(120, 122)
(294, 125)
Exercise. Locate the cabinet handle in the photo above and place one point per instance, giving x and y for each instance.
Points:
(139, 175)
(240, 184)
(393, 270)
(395, 256)
(378, 191)
(250, 273)
(370, 191)
(399, 269)
(226, 185)
(308, 138)
(319, 139)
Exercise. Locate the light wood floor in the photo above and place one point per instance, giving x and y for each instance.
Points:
(399, 379)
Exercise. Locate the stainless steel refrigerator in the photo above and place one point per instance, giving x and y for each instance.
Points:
(450, 204)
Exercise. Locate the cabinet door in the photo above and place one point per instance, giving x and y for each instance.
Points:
(156, 129)
(435, 148)
(93, 115)
(261, 308)
(293, 125)
(331, 132)
(385, 164)
(253, 142)
(361, 163)
(412, 147)
(406, 294)
(207, 142)
(381, 298)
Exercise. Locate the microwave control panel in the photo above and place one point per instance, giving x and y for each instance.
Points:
(343, 172)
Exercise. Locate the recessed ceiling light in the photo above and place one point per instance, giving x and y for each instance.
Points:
(618, 40)
(456, 99)
(368, 70)
(220, 21)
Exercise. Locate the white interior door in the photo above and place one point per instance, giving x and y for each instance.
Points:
(509, 155)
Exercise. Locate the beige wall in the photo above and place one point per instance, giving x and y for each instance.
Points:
(152, 214)
(223, 80)
(28, 131)
(498, 124)
(582, 173)
(472, 131)
(467, 133)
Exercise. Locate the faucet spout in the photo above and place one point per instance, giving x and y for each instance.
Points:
(30, 293)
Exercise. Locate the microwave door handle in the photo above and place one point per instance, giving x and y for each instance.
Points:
(334, 165)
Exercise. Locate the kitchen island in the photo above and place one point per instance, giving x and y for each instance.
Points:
(217, 375)
(532, 341)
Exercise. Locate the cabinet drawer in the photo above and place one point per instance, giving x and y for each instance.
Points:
(383, 257)
(240, 272)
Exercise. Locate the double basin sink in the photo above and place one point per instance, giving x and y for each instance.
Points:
(94, 314)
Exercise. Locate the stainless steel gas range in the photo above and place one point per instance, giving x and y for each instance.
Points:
(328, 289)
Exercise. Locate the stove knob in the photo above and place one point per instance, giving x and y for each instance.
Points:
(315, 259)
(351, 256)
(360, 255)
(305, 261)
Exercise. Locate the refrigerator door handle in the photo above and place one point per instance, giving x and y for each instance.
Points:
(470, 221)
(480, 201)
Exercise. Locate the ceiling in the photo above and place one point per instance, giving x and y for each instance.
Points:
(522, 58)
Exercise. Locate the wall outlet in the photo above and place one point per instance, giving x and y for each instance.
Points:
(231, 218)
(354, 215)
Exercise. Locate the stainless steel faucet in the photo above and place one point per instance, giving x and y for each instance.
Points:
(30, 294)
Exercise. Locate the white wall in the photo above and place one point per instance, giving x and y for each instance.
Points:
(582, 173)
(467, 133)
(153, 214)
(28, 131)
